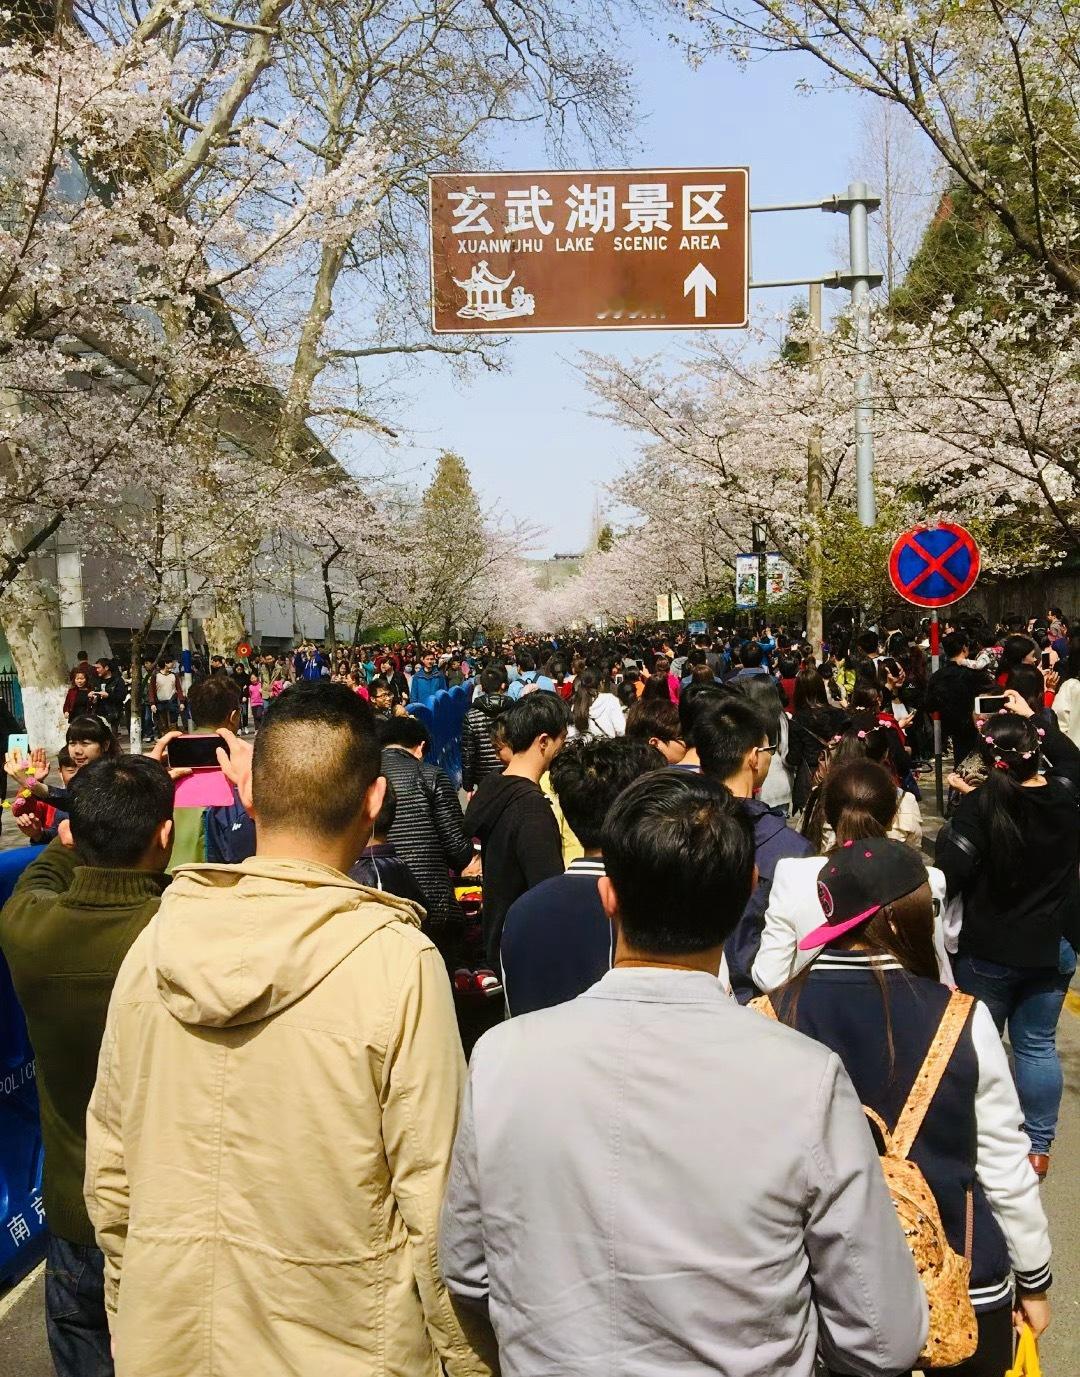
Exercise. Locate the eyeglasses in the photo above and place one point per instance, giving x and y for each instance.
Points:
(766, 749)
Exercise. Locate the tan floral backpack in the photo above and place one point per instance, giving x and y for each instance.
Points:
(953, 1334)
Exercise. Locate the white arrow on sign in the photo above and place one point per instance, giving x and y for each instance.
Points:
(699, 281)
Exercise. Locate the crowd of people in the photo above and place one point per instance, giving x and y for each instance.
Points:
(742, 1104)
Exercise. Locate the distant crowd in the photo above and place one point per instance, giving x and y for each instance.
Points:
(737, 1099)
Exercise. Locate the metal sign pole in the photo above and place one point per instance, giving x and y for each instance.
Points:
(935, 662)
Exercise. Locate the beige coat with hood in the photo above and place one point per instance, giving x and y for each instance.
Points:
(270, 1133)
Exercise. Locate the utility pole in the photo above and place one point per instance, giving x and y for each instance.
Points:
(859, 203)
(815, 571)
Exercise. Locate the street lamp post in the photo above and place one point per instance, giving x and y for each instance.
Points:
(857, 204)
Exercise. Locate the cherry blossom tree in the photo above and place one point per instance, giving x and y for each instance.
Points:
(212, 224)
(993, 87)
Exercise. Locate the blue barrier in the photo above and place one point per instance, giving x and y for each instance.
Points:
(22, 1216)
(443, 716)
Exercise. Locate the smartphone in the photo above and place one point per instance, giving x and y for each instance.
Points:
(196, 752)
(989, 703)
(19, 742)
(1046, 659)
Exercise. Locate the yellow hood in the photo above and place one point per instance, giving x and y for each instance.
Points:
(233, 944)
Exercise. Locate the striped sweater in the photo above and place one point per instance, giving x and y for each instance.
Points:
(428, 831)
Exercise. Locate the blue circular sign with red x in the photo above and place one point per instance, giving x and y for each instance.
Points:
(933, 566)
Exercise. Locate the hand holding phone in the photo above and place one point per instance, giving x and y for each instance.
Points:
(197, 751)
(205, 786)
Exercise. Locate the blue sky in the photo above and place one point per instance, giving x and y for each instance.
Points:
(525, 432)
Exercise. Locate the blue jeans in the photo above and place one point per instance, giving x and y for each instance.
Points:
(75, 1310)
(1030, 1002)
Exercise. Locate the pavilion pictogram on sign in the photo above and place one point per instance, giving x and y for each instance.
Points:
(484, 295)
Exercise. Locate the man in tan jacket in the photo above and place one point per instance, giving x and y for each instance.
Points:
(277, 1095)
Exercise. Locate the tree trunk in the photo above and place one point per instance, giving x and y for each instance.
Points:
(224, 628)
(135, 719)
(358, 626)
(31, 620)
(330, 638)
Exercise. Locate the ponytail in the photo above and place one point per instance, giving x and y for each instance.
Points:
(585, 692)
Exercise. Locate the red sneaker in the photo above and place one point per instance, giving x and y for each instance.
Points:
(488, 982)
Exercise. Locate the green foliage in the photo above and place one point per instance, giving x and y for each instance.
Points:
(796, 351)
(956, 240)
(856, 569)
(450, 494)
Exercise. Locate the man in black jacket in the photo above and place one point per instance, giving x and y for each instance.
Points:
(952, 691)
(519, 837)
(479, 757)
(110, 695)
(428, 831)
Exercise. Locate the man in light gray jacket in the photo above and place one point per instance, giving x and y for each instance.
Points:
(652, 1180)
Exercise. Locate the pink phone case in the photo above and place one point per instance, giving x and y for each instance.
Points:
(203, 789)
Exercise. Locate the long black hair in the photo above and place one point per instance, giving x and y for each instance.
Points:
(586, 689)
(1011, 747)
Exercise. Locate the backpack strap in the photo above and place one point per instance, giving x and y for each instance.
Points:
(881, 1126)
(930, 1074)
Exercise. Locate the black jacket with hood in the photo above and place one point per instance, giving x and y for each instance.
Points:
(478, 756)
(520, 845)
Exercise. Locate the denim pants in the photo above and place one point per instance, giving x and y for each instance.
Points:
(1030, 1002)
(75, 1310)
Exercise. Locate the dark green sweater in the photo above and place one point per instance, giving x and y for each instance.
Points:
(65, 932)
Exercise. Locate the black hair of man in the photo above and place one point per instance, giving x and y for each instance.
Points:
(213, 701)
(691, 702)
(725, 732)
(869, 643)
(115, 808)
(493, 680)
(406, 731)
(533, 715)
(590, 773)
(679, 852)
(653, 717)
(384, 820)
(954, 644)
(316, 756)
(752, 656)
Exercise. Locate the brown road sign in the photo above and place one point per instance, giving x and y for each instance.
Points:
(653, 249)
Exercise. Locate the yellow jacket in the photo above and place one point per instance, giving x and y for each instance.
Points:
(270, 1134)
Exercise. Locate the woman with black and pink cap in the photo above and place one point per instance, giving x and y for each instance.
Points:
(1012, 851)
(874, 997)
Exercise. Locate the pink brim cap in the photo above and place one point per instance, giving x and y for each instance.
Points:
(828, 932)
